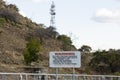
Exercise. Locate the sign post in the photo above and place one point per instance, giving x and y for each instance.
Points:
(65, 59)
(73, 77)
(56, 73)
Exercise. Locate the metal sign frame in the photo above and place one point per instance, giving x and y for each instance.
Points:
(65, 59)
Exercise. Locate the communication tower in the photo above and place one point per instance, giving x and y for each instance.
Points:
(52, 13)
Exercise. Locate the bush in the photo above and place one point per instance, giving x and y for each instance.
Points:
(13, 7)
(31, 51)
(66, 42)
(51, 32)
(2, 21)
(117, 73)
(9, 15)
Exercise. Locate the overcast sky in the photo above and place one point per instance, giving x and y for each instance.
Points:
(89, 22)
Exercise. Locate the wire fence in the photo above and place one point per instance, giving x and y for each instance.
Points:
(38, 76)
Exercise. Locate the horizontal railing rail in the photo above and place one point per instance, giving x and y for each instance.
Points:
(44, 76)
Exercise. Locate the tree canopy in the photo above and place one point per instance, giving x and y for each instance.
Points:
(32, 48)
(85, 49)
(66, 42)
(106, 61)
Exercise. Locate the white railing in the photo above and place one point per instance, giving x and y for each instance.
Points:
(37, 76)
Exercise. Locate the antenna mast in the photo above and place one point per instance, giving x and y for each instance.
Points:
(52, 13)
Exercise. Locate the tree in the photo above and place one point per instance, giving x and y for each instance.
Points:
(13, 7)
(9, 15)
(106, 61)
(85, 49)
(51, 32)
(32, 48)
(66, 42)
(86, 57)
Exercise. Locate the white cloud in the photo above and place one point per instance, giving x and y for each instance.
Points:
(105, 15)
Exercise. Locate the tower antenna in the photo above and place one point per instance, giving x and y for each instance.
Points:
(52, 13)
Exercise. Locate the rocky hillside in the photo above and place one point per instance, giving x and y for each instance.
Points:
(15, 31)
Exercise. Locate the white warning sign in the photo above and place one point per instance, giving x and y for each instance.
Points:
(65, 59)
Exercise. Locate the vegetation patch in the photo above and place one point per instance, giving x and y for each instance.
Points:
(31, 52)
(2, 21)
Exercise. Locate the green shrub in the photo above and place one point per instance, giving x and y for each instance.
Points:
(87, 70)
(117, 73)
(9, 15)
(66, 42)
(31, 51)
(2, 21)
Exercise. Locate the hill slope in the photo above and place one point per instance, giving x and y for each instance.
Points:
(15, 31)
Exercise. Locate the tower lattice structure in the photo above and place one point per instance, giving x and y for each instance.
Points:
(52, 13)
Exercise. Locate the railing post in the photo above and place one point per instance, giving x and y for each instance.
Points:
(13, 77)
(99, 78)
(20, 76)
(84, 78)
(46, 77)
(26, 77)
(93, 78)
(3, 76)
(118, 78)
(35, 77)
(65, 77)
(111, 78)
(103, 77)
